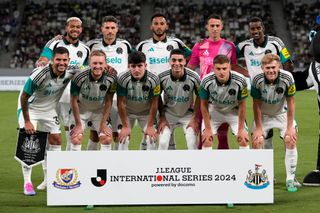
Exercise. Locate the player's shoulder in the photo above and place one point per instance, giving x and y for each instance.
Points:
(208, 78)
(53, 42)
(111, 72)
(40, 73)
(124, 76)
(83, 45)
(275, 40)
(164, 74)
(123, 41)
(81, 75)
(258, 79)
(239, 78)
(286, 76)
(93, 42)
(143, 43)
(245, 42)
(192, 74)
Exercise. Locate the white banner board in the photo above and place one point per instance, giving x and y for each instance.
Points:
(12, 83)
(160, 177)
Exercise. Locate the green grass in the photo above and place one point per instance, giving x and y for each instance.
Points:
(306, 199)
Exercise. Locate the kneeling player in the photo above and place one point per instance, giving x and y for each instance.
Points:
(222, 95)
(178, 85)
(92, 91)
(271, 91)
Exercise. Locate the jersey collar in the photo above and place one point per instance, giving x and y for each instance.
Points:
(99, 80)
(264, 44)
(156, 41)
(143, 79)
(183, 78)
(53, 75)
(227, 83)
(67, 42)
(105, 44)
(275, 82)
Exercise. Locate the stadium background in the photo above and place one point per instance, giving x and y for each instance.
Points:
(25, 26)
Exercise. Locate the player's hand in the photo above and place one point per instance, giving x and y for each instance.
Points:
(76, 131)
(242, 137)
(194, 125)
(207, 136)
(124, 133)
(58, 37)
(162, 124)
(41, 63)
(257, 139)
(29, 128)
(290, 137)
(104, 129)
(151, 132)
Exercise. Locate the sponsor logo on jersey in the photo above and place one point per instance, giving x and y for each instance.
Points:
(292, 89)
(285, 53)
(66, 179)
(180, 99)
(255, 63)
(257, 180)
(101, 178)
(155, 60)
(114, 60)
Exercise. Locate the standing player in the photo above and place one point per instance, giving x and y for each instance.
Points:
(222, 95)
(91, 99)
(157, 50)
(203, 54)
(273, 106)
(117, 51)
(79, 55)
(137, 93)
(39, 99)
(179, 84)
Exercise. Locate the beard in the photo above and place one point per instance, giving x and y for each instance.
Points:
(159, 33)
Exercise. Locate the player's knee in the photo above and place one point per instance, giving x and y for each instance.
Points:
(104, 139)
(54, 139)
(243, 143)
(76, 140)
(289, 143)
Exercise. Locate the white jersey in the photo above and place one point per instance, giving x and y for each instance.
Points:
(179, 93)
(314, 79)
(91, 93)
(138, 93)
(78, 52)
(158, 52)
(253, 53)
(273, 95)
(117, 53)
(45, 88)
(223, 97)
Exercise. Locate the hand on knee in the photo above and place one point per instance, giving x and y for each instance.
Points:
(105, 139)
(289, 142)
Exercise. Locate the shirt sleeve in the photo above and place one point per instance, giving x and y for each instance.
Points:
(75, 89)
(204, 95)
(30, 87)
(255, 93)
(194, 59)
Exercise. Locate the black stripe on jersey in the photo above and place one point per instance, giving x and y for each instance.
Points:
(242, 82)
(55, 46)
(40, 75)
(242, 49)
(164, 74)
(82, 75)
(50, 42)
(287, 77)
(276, 46)
(124, 77)
(193, 75)
(92, 44)
(278, 40)
(208, 80)
(180, 45)
(257, 78)
(153, 77)
(126, 43)
(141, 45)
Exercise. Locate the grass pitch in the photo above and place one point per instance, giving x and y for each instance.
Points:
(307, 199)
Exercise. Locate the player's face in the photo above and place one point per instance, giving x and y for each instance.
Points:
(137, 70)
(271, 70)
(177, 63)
(159, 26)
(109, 30)
(256, 30)
(74, 29)
(214, 27)
(60, 63)
(222, 72)
(97, 65)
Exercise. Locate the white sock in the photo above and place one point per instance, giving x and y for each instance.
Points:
(92, 145)
(244, 147)
(268, 143)
(75, 147)
(143, 145)
(151, 145)
(105, 147)
(44, 163)
(125, 145)
(116, 145)
(68, 145)
(191, 138)
(26, 171)
(54, 147)
(206, 148)
(172, 145)
(164, 139)
(291, 159)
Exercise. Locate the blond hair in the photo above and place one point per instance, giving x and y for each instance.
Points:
(270, 57)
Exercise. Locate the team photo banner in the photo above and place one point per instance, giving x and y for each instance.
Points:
(160, 177)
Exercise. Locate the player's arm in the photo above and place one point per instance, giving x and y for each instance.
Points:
(125, 130)
(150, 130)
(207, 133)
(257, 135)
(28, 126)
(162, 116)
(105, 115)
(194, 123)
(75, 91)
(242, 136)
(288, 65)
(291, 132)
(194, 58)
(42, 61)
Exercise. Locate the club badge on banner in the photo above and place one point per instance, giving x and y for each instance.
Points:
(160, 177)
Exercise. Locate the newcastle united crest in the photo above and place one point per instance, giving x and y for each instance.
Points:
(257, 179)
(66, 179)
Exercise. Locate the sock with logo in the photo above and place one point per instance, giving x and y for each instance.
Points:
(291, 159)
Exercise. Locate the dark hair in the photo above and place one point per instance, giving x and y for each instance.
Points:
(110, 19)
(60, 50)
(214, 16)
(176, 52)
(159, 15)
(136, 57)
(221, 59)
(255, 19)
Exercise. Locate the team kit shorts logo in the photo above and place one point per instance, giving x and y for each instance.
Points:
(66, 179)
(101, 178)
(257, 180)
